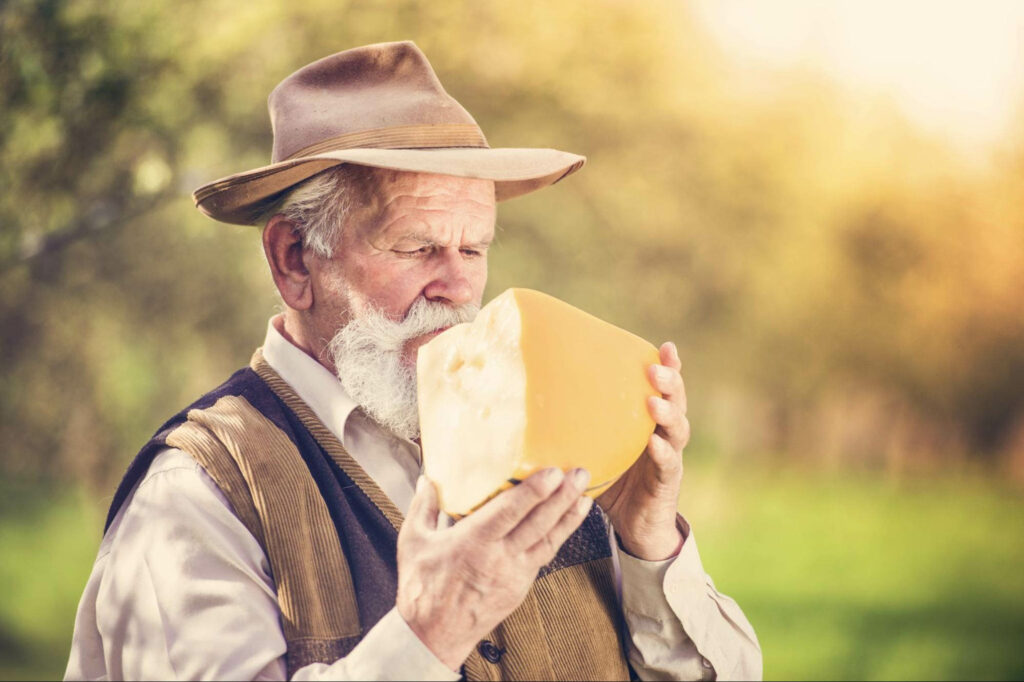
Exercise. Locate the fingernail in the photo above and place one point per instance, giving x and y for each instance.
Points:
(420, 482)
(583, 505)
(675, 351)
(553, 476)
(664, 373)
(580, 479)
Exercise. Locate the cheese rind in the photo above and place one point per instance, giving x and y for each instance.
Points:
(532, 383)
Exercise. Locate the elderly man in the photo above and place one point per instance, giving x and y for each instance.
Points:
(279, 526)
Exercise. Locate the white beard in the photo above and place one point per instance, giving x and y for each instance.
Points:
(367, 354)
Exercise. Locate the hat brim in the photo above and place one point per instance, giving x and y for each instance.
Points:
(243, 198)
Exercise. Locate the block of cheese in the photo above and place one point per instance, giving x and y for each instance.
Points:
(532, 382)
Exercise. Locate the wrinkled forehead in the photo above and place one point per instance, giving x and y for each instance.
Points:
(438, 208)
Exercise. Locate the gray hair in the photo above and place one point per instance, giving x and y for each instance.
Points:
(321, 205)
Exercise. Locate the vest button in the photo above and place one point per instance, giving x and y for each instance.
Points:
(490, 651)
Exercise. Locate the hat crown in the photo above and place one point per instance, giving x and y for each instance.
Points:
(380, 106)
(349, 95)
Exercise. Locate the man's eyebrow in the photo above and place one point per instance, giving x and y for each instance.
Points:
(428, 241)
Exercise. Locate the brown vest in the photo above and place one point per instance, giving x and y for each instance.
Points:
(569, 626)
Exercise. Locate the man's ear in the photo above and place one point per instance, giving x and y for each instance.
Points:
(282, 244)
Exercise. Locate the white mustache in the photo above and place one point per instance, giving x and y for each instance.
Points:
(422, 318)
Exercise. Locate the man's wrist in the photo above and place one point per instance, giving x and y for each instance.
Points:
(399, 653)
(451, 654)
(660, 548)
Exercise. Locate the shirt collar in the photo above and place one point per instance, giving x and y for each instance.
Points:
(317, 387)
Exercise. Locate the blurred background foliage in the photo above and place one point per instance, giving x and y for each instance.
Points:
(845, 288)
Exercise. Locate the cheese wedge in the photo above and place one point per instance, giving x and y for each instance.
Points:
(532, 383)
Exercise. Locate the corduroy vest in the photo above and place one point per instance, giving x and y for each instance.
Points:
(330, 536)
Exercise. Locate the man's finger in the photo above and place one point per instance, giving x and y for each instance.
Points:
(665, 456)
(497, 518)
(670, 356)
(545, 549)
(671, 421)
(539, 522)
(665, 413)
(666, 377)
(669, 383)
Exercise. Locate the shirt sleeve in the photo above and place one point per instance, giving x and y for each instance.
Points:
(187, 594)
(680, 627)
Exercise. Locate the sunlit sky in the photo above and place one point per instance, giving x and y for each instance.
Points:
(954, 67)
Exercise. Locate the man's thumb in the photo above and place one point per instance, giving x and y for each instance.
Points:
(424, 508)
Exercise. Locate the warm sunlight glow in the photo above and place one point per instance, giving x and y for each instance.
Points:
(956, 67)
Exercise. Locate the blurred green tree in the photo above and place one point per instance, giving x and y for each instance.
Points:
(842, 286)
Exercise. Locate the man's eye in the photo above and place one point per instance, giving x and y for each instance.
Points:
(472, 253)
(423, 250)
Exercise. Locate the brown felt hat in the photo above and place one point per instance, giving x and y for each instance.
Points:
(379, 105)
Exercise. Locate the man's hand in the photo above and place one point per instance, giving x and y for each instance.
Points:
(642, 503)
(457, 584)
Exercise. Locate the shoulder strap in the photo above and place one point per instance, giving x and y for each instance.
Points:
(269, 487)
(327, 440)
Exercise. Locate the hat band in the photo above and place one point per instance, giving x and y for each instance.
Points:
(400, 137)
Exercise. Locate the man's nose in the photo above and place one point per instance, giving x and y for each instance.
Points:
(451, 281)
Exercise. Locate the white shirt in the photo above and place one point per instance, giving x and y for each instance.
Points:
(181, 590)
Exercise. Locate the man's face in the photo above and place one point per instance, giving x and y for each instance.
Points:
(411, 262)
(418, 235)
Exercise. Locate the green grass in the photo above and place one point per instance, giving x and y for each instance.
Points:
(842, 577)
(48, 541)
(856, 578)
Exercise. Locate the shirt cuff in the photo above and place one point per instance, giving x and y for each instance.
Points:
(644, 582)
(389, 651)
(405, 654)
